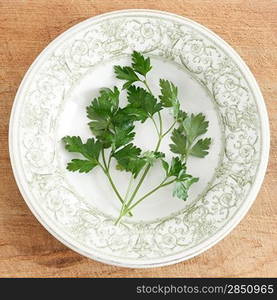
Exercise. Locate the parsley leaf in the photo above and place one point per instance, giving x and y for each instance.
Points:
(200, 148)
(111, 95)
(129, 159)
(106, 104)
(110, 124)
(122, 116)
(141, 103)
(121, 135)
(180, 115)
(194, 126)
(183, 181)
(83, 166)
(140, 64)
(182, 185)
(74, 144)
(152, 156)
(185, 136)
(165, 166)
(175, 167)
(126, 73)
(102, 109)
(135, 113)
(180, 142)
(90, 150)
(169, 93)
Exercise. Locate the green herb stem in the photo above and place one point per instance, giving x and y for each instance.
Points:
(109, 161)
(156, 149)
(128, 191)
(107, 173)
(169, 129)
(159, 113)
(104, 159)
(146, 85)
(155, 124)
(128, 209)
(161, 124)
(139, 184)
(163, 184)
(159, 131)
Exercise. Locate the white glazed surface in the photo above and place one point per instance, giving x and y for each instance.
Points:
(212, 79)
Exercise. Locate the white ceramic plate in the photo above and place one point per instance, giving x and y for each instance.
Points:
(79, 209)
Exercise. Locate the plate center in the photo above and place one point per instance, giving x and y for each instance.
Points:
(94, 187)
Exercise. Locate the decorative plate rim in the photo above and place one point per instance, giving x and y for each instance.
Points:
(233, 222)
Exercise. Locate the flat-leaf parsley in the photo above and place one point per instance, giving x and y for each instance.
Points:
(113, 128)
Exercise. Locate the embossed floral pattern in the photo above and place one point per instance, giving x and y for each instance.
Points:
(171, 39)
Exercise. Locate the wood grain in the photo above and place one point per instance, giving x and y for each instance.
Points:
(26, 248)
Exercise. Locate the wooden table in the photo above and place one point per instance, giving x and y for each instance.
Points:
(26, 248)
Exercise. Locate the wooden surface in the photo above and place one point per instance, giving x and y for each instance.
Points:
(26, 248)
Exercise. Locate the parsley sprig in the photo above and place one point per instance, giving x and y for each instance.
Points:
(113, 127)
